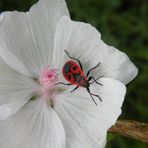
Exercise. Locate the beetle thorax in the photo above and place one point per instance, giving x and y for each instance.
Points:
(85, 84)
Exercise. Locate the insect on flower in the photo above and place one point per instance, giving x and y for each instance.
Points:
(74, 74)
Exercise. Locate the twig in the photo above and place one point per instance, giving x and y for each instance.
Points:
(131, 129)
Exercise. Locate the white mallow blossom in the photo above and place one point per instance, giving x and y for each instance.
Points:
(36, 113)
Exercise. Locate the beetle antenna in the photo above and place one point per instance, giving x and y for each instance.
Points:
(93, 99)
(97, 96)
(88, 90)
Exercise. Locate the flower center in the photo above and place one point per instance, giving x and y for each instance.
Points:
(48, 78)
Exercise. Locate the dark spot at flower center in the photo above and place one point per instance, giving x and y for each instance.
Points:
(49, 76)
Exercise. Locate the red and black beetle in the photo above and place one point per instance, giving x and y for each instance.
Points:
(74, 74)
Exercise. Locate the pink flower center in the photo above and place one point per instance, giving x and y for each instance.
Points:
(48, 78)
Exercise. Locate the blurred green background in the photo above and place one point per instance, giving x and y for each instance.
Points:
(123, 24)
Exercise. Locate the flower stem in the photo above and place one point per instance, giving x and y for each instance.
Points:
(131, 129)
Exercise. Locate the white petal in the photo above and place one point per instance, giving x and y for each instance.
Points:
(15, 90)
(27, 38)
(43, 19)
(117, 65)
(85, 123)
(72, 36)
(16, 41)
(83, 42)
(4, 112)
(34, 126)
(12, 60)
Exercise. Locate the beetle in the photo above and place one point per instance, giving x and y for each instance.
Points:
(74, 74)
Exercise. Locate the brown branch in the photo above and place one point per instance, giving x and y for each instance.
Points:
(131, 129)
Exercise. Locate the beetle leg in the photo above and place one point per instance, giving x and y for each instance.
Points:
(99, 78)
(95, 80)
(74, 89)
(74, 59)
(92, 69)
(63, 83)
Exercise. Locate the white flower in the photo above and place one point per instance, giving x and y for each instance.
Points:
(36, 113)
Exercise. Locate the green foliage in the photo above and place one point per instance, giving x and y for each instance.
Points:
(123, 24)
